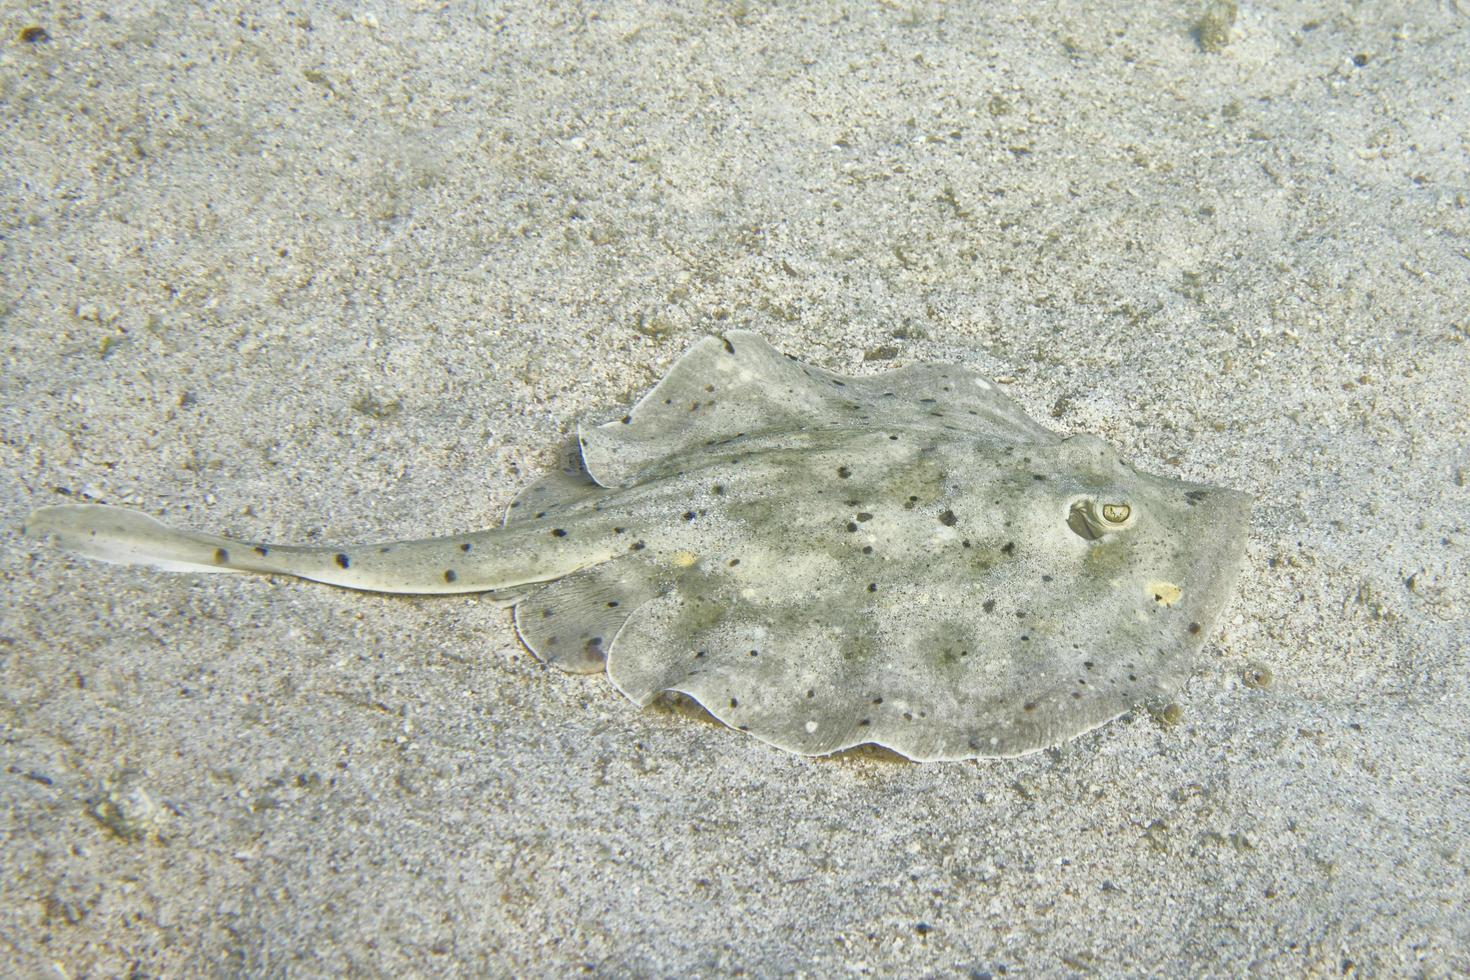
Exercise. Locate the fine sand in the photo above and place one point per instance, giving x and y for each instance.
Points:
(353, 271)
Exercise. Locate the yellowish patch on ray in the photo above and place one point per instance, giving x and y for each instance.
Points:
(1164, 593)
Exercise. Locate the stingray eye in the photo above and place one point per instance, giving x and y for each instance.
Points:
(1091, 519)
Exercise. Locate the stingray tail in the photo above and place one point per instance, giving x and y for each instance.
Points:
(127, 537)
(498, 561)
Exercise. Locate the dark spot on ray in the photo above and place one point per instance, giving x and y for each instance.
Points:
(1038, 476)
(755, 653)
(877, 700)
(619, 530)
(851, 526)
(689, 515)
(514, 504)
(1008, 548)
(626, 419)
(637, 546)
(734, 703)
(965, 543)
(221, 556)
(385, 549)
(594, 647)
(262, 550)
(342, 560)
(948, 519)
(872, 586)
(734, 562)
(811, 693)
(1046, 578)
(1194, 627)
(1132, 677)
(541, 513)
(466, 546)
(867, 549)
(729, 347)
(699, 653)
(546, 612)
(864, 516)
(449, 575)
(865, 722)
(613, 604)
(557, 532)
(1029, 706)
(893, 438)
(843, 472)
(1025, 638)
(927, 401)
(988, 605)
(1088, 664)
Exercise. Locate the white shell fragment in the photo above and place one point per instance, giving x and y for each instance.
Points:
(821, 561)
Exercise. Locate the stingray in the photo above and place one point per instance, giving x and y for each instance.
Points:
(821, 561)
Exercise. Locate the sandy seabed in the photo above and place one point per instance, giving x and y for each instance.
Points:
(348, 273)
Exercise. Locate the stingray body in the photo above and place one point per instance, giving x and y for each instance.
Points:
(821, 561)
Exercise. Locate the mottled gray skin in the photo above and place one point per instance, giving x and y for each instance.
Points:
(906, 560)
